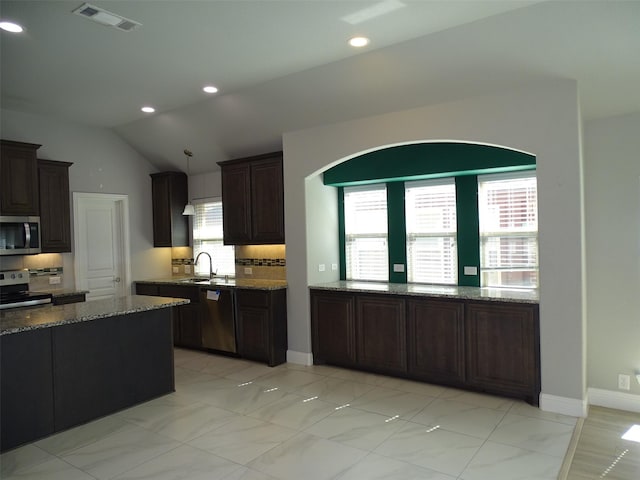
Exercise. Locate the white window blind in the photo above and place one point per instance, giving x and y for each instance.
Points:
(207, 237)
(365, 222)
(508, 210)
(430, 209)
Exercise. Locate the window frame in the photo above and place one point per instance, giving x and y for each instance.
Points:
(202, 268)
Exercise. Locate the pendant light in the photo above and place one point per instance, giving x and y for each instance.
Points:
(188, 208)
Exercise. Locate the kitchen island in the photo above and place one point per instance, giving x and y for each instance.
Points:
(482, 339)
(66, 365)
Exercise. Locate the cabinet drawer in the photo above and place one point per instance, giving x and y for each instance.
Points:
(146, 289)
(253, 298)
(180, 291)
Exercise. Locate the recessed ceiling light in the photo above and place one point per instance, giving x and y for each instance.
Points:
(210, 89)
(148, 109)
(358, 42)
(11, 27)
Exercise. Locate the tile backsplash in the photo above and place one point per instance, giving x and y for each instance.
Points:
(266, 262)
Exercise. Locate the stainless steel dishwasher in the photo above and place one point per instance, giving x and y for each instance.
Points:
(218, 323)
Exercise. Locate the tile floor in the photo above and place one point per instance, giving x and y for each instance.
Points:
(236, 420)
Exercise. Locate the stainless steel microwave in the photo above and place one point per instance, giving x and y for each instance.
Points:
(19, 235)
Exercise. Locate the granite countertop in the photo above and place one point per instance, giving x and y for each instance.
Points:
(441, 291)
(45, 316)
(220, 282)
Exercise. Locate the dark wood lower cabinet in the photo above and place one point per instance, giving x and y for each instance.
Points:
(333, 324)
(381, 333)
(67, 299)
(435, 333)
(478, 345)
(261, 325)
(502, 349)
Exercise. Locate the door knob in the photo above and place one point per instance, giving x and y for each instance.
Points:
(117, 279)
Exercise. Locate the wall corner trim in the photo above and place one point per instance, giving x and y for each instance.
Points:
(300, 358)
(612, 399)
(574, 407)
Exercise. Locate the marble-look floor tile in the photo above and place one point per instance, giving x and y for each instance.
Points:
(52, 469)
(244, 397)
(294, 411)
(390, 402)
(503, 462)
(526, 410)
(356, 428)
(336, 390)
(410, 386)
(244, 473)
(64, 442)
(541, 436)
(22, 458)
(477, 399)
(361, 377)
(460, 417)
(326, 370)
(177, 417)
(182, 463)
(433, 448)
(184, 376)
(307, 457)
(377, 467)
(243, 439)
(117, 453)
(288, 380)
(250, 371)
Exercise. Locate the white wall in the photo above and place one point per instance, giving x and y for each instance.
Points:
(102, 163)
(542, 120)
(205, 185)
(612, 204)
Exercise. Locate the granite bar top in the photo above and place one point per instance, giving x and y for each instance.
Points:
(220, 282)
(45, 316)
(63, 292)
(440, 291)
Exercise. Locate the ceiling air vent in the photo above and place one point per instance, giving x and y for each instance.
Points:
(103, 17)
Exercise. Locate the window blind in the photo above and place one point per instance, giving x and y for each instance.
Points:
(430, 210)
(508, 210)
(207, 237)
(365, 220)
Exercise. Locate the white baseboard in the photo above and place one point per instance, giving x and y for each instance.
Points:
(574, 407)
(613, 399)
(300, 358)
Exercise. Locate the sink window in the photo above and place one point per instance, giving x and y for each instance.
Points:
(207, 237)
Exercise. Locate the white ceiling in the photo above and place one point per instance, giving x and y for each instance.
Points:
(283, 65)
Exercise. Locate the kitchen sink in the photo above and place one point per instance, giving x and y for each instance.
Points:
(206, 281)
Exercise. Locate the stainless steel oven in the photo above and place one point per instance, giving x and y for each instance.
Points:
(19, 235)
(14, 291)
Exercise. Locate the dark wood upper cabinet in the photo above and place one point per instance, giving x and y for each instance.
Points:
(55, 216)
(253, 200)
(19, 178)
(169, 191)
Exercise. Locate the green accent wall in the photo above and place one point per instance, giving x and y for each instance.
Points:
(397, 231)
(468, 229)
(395, 165)
(426, 160)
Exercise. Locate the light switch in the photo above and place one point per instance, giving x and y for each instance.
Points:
(334, 266)
(248, 270)
(398, 267)
(321, 267)
(470, 270)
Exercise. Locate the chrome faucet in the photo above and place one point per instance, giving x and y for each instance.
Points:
(211, 272)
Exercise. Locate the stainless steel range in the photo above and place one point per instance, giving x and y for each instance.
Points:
(14, 291)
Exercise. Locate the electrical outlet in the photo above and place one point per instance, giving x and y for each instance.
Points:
(187, 269)
(624, 382)
(334, 267)
(176, 269)
(248, 270)
(321, 267)
(54, 280)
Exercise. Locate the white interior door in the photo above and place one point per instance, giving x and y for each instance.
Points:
(101, 244)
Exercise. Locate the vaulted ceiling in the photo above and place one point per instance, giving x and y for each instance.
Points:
(283, 65)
